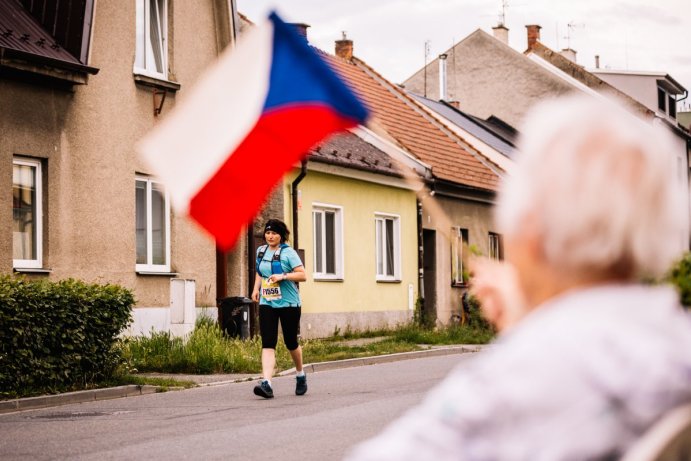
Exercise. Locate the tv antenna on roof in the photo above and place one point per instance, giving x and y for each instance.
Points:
(569, 31)
(502, 16)
(504, 10)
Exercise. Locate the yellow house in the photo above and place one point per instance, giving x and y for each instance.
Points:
(358, 234)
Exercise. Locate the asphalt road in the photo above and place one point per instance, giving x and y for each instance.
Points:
(228, 421)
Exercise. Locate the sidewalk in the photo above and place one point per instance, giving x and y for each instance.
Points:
(44, 401)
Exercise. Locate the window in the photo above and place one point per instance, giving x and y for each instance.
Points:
(328, 242)
(495, 246)
(152, 226)
(387, 235)
(459, 246)
(27, 214)
(672, 106)
(661, 99)
(151, 54)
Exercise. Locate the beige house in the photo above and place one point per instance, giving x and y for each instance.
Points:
(487, 78)
(74, 103)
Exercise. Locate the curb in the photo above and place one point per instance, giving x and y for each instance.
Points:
(132, 390)
(229, 381)
(44, 401)
(347, 363)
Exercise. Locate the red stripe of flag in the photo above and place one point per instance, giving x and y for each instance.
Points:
(279, 140)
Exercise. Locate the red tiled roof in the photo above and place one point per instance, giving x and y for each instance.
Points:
(408, 124)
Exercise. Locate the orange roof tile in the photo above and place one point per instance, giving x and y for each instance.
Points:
(413, 128)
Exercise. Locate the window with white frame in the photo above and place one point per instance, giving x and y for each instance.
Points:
(495, 250)
(459, 247)
(387, 246)
(151, 54)
(328, 242)
(152, 226)
(27, 214)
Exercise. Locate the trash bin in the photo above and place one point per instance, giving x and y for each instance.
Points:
(235, 316)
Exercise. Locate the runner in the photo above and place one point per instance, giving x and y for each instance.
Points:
(279, 268)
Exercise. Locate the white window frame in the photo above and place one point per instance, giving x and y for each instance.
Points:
(457, 256)
(494, 246)
(36, 263)
(380, 245)
(338, 242)
(143, 21)
(148, 266)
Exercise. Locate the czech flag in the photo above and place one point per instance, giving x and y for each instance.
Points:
(250, 118)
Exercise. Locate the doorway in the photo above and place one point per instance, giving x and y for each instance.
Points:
(429, 265)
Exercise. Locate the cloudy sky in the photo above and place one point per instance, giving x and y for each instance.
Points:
(390, 35)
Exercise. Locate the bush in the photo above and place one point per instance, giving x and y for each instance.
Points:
(58, 335)
(680, 276)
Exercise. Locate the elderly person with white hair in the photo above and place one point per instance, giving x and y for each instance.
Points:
(588, 356)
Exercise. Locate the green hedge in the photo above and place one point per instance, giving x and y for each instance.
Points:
(58, 335)
(680, 275)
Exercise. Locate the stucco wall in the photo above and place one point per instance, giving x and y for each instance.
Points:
(477, 218)
(32, 123)
(358, 300)
(488, 78)
(87, 138)
(643, 88)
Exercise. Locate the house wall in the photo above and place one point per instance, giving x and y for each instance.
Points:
(441, 215)
(487, 77)
(642, 88)
(683, 179)
(684, 119)
(358, 301)
(86, 138)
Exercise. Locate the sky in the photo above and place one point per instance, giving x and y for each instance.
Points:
(390, 35)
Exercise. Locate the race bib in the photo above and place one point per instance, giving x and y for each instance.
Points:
(270, 291)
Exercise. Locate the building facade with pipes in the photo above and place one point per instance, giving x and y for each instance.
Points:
(76, 201)
(487, 78)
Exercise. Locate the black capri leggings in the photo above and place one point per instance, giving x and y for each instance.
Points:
(268, 325)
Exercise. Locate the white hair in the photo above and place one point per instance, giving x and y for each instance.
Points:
(600, 188)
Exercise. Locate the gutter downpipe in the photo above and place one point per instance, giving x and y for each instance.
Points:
(420, 259)
(251, 271)
(294, 197)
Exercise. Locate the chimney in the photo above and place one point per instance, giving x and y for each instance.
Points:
(533, 35)
(597, 61)
(301, 28)
(442, 77)
(344, 48)
(569, 54)
(501, 33)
